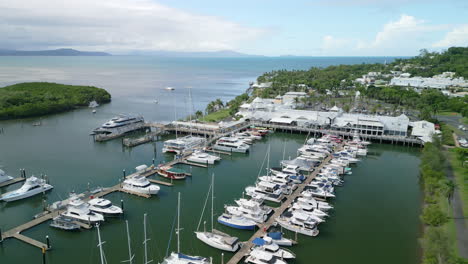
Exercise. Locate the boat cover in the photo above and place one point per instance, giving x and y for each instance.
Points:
(259, 241)
(275, 235)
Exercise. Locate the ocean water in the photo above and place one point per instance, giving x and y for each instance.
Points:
(376, 212)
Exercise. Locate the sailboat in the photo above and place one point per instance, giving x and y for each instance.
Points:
(177, 257)
(215, 238)
(100, 243)
(130, 255)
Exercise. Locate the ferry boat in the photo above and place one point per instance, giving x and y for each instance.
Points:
(4, 177)
(120, 125)
(31, 187)
(231, 144)
(183, 145)
(79, 210)
(140, 184)
(172, 173)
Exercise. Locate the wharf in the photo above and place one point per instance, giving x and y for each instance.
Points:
(12, 181)
(245, 250)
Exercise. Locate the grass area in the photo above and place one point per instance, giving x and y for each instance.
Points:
(461, 178)
(216, 116)
(447, 113)
(449, 227)
(465, 120)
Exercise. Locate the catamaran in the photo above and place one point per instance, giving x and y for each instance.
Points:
(183, 145)
(231, 144)
(203, 157)
(31, 187)
(215, 238)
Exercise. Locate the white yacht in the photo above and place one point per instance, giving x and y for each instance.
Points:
(300, 223)
(261, 257)
(322, 206)
(318, 192)
(267, 245)
(4, 177)
(315, 218)
(120, 124)
(31, 187)
(257, 217)
(236, 221)
(104, 206)
(253, 205)
(231, 144)
(203, 157)
(79, 210)
(309, 208)
(183, 145)
(272, 191)
(140, 184)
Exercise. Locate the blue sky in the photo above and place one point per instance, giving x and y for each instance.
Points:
(266, 27)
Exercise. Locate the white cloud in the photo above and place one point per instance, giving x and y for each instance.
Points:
(457, 37)
(115, 25)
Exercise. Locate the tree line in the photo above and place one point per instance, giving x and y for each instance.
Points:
(41, 98)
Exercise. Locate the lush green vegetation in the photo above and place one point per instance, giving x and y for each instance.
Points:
(428, 64)
(217, 110)
(41, 98)
(458, 161)
(438, 240)
(447, 135)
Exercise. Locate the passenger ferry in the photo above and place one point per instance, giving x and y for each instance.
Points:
(120, 124)
(183, 145)
(231, 144)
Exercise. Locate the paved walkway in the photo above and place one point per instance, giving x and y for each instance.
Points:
(459, 218)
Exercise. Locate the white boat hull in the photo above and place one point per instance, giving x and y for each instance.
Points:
(151, 190)
(10, 196)
(229, 149)
(215, 240)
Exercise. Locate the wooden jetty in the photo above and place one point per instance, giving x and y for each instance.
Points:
(160, 182)
(263, 228)
(194, 164)
(12, 181)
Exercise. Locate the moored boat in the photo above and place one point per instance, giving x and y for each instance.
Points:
(172, 173)
(31, 187)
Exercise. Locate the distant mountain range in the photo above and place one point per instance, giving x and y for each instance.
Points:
(55, 52)
(208, 54)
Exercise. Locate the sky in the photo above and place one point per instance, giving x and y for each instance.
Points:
(262, 27)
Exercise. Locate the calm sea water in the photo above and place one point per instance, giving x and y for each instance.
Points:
(375, 213)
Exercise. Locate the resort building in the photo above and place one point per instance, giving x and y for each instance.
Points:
(441, 82)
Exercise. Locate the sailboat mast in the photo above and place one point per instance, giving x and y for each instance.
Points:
(101, 252)
(212, 201)
(130, 256)
(146, 240)
(178, 223)
(268, 161)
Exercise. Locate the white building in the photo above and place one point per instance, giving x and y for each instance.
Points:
(423, 130)
(289, 98)
(440, 82)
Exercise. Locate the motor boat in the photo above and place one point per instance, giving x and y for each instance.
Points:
(309, 209)
(322, 206)
(312, 216)
(279, 239)
(4, 177)
(231, 144)
(253, 205)
(104, 206)
(169, 88)
(236, 221)
(318, 192)
(140, 184)
(273, 192)
(257, 217)
(31, 187)
(267, 245)
(64, 223)
(261, 257)
(219, 241)
(203, 157)
(172, 173)
(79, 210)
(300, 223)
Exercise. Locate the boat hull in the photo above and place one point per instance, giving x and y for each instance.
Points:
(10, 198)
(229, 149)
(236, 225)
(205, 238)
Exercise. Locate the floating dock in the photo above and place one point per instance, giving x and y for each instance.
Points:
(12, 181)
(245, 249)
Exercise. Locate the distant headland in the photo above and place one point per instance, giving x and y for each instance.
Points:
(55, 52)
